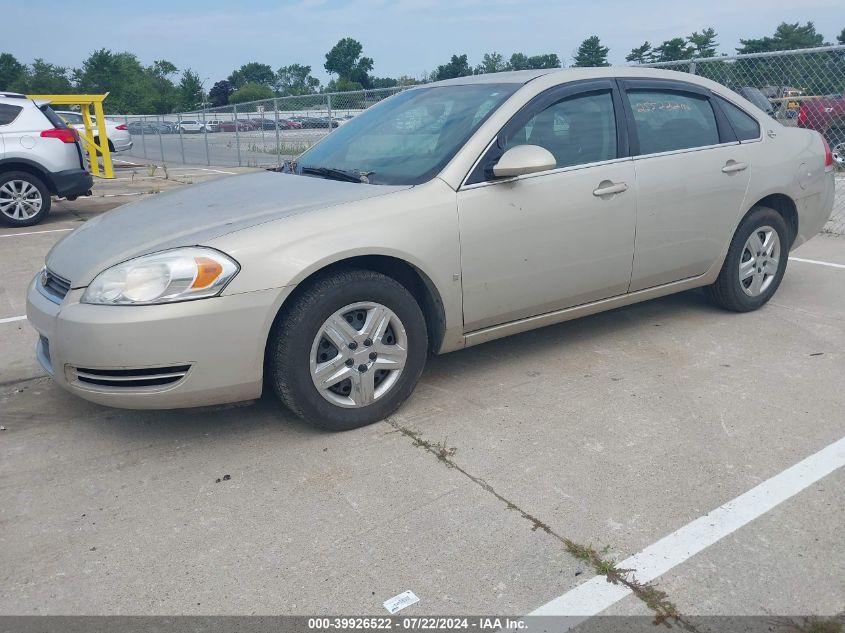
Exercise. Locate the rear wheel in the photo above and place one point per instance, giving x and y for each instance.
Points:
(349, 350)
(24, 199)
(755, 263)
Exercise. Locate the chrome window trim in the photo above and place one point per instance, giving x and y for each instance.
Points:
(686, 150)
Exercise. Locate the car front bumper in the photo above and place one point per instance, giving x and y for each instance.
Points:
(108, 354)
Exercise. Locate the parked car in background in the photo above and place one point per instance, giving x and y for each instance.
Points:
(213, 125)
(313, 122)
(142, 127)
(264, 124)
(289, 124)
(190, 126)
(827, 116)
(167, 127)
(117, 132)
(40, 156)
(450, 214)
(231, 126)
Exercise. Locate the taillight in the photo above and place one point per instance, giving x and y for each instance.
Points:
(828, 156)
(64, 134)
(122, 126)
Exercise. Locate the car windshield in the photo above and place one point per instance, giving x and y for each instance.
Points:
(408, 138)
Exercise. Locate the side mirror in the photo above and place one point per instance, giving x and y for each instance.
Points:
(524, 159)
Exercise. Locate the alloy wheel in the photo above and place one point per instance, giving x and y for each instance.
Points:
(358, 354)
(758, 264)
(20, 200)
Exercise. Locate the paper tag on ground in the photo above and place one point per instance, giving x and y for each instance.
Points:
(397, 603)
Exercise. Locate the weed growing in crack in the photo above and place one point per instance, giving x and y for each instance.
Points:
(665, 612)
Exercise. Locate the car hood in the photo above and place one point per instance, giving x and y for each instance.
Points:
(195, 215)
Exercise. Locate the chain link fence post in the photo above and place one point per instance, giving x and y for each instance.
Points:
(160, 137)
(205, 134)
(181, 141)
(278, 144)
(237, 132)
(143, 139)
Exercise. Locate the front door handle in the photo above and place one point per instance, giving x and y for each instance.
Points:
(732, 166)
(607, 188)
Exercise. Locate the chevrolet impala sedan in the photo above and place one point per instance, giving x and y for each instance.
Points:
(445, 216)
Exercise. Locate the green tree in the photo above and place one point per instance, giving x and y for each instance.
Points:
(122, 76)
(191, 95)
(163, 94)
(672, 50)
(703, 44)
(786, 37)
(384, 82)
(220, 93)
(253, 73)
(12, 72)
(458, 66)
(43, 78)
(642, 54)
(520, 61)
(347, 62)
(591, 53)
(251, 92)
(491, 63)
(296, 79)
(841, 37)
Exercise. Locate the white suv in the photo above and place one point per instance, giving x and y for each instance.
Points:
(40, 156)
(191, 126)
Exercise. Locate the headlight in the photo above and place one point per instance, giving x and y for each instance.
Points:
(180, 274)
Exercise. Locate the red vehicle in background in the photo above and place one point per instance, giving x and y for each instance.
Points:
(827, 116)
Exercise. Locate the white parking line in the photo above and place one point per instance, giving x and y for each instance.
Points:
(13, 319)
(817, 262)
(596, 595)
(35, 232)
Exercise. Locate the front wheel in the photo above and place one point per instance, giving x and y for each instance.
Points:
(348, 351)
(755, 263)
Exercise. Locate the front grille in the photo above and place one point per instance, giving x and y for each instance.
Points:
(54, 287)
(129, 378)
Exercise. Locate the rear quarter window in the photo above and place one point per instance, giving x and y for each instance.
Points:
(744, 125)
(52, 117)
(8, 113)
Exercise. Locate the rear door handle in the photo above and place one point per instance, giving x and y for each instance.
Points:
(607, 188)
(732, 166)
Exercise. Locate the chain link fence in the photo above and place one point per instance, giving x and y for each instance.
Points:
(256, 134)
(798, 88)
(804, 88)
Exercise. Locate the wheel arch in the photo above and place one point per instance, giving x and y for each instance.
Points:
(30, 167)
(411, 277)
(785, 206)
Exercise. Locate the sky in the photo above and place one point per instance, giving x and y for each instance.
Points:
(404, 37)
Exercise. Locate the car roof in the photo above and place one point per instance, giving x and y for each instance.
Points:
(563, 75)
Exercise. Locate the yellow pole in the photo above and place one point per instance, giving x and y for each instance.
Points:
(108, 168)
(90, 147)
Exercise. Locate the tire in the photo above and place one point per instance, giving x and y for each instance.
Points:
(33, 205)
(757, 287)
(299, 346)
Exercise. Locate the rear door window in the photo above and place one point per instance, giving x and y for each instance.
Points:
(744, 125)
(8, 113)
(668, 120)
